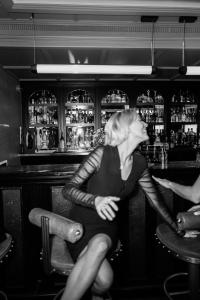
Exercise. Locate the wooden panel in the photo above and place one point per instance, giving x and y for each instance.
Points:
(137, 238)
(10, 114)
(12, 222)
(60, 205)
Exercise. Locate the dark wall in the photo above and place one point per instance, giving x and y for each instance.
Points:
(11, 116)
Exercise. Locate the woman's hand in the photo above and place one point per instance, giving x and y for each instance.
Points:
(106, 207)
(164, 182)
(191, 233)
(195, 209)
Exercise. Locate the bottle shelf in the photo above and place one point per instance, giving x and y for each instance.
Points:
(40, 125)
(188, 105)
(79, 105)
(121, 105)
(79, 124)
(43, 105)
(111, 110)
(184, 123)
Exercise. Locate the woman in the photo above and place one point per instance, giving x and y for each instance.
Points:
(188, 192)
(111, 172)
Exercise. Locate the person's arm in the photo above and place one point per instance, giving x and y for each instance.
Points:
(148, 187)
(72, 187)
(191, 193)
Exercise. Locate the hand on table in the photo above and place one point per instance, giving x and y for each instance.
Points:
(106, 207)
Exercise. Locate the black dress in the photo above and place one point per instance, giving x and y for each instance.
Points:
(102, 172)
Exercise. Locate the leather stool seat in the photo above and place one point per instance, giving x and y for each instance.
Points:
(186, 249)
(5, 248)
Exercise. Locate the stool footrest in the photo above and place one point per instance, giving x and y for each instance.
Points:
(169, 294)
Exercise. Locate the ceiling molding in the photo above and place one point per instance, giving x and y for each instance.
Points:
(125, 34)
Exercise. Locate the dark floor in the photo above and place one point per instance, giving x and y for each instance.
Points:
(121, 290)
(150, 293)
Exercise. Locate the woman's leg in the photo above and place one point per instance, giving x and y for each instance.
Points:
(104, 278)
(86, 268)
(103, 281)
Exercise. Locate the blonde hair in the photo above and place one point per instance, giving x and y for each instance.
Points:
(116, 129)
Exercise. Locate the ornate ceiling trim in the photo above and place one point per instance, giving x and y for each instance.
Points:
(52, 33)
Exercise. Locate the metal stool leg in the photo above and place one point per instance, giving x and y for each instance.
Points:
(194, 281)
(3, 296)
(170, 294)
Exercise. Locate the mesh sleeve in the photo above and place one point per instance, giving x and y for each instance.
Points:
(72, 190)
(148, 187)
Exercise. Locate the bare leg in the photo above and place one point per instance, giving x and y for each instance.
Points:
(103, 280)
(86, 268)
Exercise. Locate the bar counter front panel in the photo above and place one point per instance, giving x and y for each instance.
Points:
(29, 186)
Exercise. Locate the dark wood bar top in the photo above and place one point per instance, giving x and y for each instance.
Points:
(68, 169)
(55, 157)
(55, 153)
(184, 172)
(176, 165)
(40, 170)
(174, 170)
(17, 175)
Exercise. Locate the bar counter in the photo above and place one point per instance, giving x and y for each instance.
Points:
(27, 186)
(67, 170)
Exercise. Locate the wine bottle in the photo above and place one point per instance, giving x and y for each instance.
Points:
(62, 143)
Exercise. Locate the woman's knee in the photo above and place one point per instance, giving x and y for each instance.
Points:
(100, 243)
(104, 280)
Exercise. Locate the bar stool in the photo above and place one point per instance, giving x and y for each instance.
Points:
(185, 249)
(5, 248)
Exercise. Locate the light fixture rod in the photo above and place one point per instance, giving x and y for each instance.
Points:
(183, 45)
(152, 45)
(34, 40)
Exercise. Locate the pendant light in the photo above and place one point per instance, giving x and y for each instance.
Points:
(187, 70)
(102, 69)
(92, 69)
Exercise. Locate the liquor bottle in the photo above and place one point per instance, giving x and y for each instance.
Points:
(38, 138)
(29, 140)
(51, 138)
(118, 97)
(67, 117)
(113, 97)
(62, 143)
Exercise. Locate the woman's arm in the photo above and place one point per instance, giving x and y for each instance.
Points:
(72, 191)
(148, 187)
(191, 193)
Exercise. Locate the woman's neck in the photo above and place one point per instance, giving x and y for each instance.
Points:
(125, 151)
